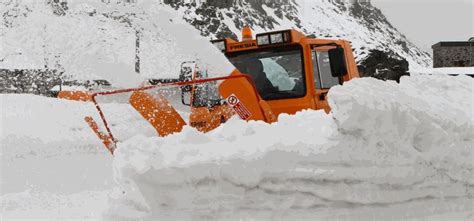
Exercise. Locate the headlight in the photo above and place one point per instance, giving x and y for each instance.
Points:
(272, 38)
(276, 38)
(263, 40)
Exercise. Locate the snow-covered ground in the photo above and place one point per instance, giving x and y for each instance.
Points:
(387, 151)
(444, 71)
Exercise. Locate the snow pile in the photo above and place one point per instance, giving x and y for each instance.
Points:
(53, 167)
(39, 124)
(384, 144)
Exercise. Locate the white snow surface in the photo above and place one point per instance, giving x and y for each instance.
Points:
(52, 166)
(445, 71)
(403, 151)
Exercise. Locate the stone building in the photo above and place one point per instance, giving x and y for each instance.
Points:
(453, 54)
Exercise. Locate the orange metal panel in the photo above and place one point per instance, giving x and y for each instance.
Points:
(206, 119)
(267, 111)
(108, 142)
(158, 112)
(247, 104)
(76, 95)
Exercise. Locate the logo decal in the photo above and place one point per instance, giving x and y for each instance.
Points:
(243, 45)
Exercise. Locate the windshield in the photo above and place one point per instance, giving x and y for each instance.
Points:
(277, 73)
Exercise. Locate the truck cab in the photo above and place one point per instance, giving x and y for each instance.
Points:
(289, 72)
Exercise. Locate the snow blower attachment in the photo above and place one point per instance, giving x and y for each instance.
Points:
(278, 72)
(166, 120)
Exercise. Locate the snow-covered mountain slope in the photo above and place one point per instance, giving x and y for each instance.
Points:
(361, 23)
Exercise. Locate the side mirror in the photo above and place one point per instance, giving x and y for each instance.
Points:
(185, 75)
(186, 98)
(338, 62)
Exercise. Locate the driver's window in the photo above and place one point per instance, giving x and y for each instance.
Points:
(323, 78)
(277, 74)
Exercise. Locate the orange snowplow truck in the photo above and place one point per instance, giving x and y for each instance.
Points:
(277, 72)
(289, 72)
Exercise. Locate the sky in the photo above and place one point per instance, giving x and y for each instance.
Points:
(427, 22)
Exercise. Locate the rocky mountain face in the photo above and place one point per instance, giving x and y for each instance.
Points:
(357, 21)
(226, 18)
(383, 65)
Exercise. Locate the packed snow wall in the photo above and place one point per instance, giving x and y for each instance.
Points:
(384, 144)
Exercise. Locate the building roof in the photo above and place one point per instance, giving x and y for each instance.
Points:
(453, 44)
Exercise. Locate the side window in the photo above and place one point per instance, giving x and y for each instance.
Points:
(322, 71)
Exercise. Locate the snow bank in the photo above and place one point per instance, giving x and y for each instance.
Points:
(383, 145)
(46, 144)
(52, 166)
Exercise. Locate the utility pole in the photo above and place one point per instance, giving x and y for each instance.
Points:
(137, 50)
(45, 51)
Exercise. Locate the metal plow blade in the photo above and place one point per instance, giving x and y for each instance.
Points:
(158, 112)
